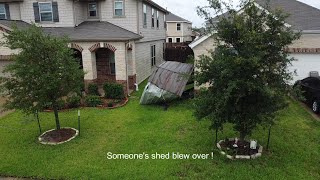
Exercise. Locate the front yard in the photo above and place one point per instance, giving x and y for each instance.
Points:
(295, 146)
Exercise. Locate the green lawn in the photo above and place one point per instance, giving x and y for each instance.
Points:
(295, 146)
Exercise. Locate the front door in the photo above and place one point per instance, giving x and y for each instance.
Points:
(105, 66)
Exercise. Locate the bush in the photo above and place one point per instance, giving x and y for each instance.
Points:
(74, 101)
(93, 89)
(113, 90)
(93, 101)
(61, 104)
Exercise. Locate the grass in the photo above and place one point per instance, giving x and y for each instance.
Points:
(294, 154)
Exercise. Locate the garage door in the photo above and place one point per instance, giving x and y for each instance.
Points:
(304, 64)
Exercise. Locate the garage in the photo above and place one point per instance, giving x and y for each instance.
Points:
(304, 64)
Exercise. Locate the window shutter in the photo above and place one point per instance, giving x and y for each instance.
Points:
(36, 12)
(55, 11)
(6, 6)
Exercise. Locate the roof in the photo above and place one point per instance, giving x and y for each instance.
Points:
(86, 31)
(172, 76)
(155, 5)
(10, 23)
(94, 31)
(302, 16)
(175, 18)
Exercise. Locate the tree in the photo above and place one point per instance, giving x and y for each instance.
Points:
(42, 73)
(248, 71)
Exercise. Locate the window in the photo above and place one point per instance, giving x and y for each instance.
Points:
(178, 40)
(45, 10)
(112, 64)
(118, 8)
(178, 27)
(153, 55)
(144, 15)
(157, 19)
(170, 40)
(152, 17)
(92, 7)
(3, 12)
(164, 21)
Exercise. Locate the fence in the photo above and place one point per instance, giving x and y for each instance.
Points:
(177, 52)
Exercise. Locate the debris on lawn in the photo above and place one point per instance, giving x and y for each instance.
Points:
(167, 82)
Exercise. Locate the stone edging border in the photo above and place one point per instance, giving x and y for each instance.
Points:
(51, 143)
(254, 156)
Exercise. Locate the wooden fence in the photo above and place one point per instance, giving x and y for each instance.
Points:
(177, 52)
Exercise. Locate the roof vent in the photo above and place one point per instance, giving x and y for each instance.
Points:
(314, 74)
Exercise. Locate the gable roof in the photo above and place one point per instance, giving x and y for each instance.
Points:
(302, 16)
(86, 31)
(174, 18)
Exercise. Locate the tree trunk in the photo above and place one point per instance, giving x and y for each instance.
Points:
(242, 136)
(56, 115)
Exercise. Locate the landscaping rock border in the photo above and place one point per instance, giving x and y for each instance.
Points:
(254, 156)
(51, 143)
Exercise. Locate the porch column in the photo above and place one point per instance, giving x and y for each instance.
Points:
(89, 64)
(120, 62)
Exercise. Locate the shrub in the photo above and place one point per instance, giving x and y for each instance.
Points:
(93, 101)
(113, 90)
(110, 104)
(93, 89)
(61, 104)
(74, 101)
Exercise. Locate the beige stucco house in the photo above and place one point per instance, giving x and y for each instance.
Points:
(302, 18)
(178, 29)
(117, 40)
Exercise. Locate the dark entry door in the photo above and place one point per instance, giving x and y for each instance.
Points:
(103, 62)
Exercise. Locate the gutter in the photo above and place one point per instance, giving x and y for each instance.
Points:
(126, 59)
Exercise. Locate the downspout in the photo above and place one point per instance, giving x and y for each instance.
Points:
(74, 14)
(126, 59)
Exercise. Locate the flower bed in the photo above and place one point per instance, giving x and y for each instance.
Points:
(235, 149)
(55, 137)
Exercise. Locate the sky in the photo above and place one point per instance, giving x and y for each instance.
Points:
(187, 8)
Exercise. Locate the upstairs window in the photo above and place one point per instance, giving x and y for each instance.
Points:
(118, 8)
(157, 19)
(152, 17)
(144, 15)
(153, 55)
(92, 7)
(45, 10)
(164, 21)
(178, 27)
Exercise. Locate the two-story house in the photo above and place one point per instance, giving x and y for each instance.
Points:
(178, 29)
(116, 40)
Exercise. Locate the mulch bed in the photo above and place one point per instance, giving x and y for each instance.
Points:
(57, 136)
(242, 149)
(113, 103)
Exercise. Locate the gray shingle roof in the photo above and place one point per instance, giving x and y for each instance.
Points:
(11, 23)
(86, 31)
(173, 17)
(94, 31)
(302, 16)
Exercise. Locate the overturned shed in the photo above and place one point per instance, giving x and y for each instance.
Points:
(167, 82)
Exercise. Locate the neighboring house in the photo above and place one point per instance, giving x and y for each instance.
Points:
(118, 40)
(302, 18)
(178, 29)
